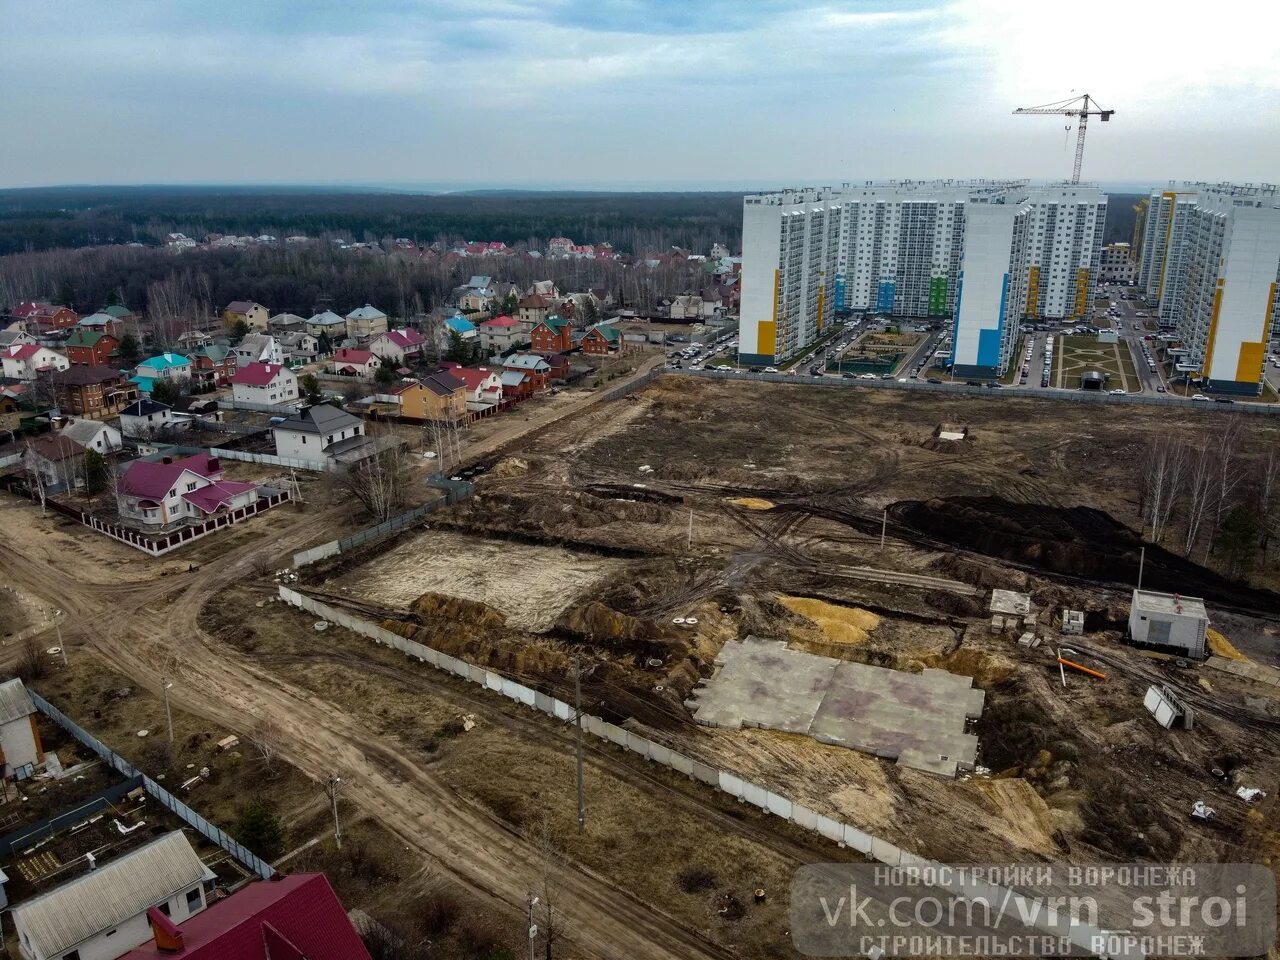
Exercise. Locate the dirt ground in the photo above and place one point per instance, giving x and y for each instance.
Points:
(787, 506)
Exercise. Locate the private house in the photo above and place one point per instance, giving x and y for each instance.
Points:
(145, 418)
(191, 339)
(298, 347)
(101, 321)
(40, 317)
(601, 339)
(477, 296)
(264, 383)
(537, 368)
(96, 392)
(552, 335)
(464, 328)
(56, 462)
(438, 396)
(94, 348)
(365, 322)
(103, 913)
(483, 385)
(323, 432)
(20, 748)
(257, 348)
(328, 324)
(349, 362)
(544, 288)
(283, 323)
(173, 367)
(533, 309)
(14, 338)
(172, 491)
(501, 334)
(214, 365)
(559, 366)
(27, 361)
(119, 313)
(93, 435)
(298, 917)
(254, 314)
(397, 346)
(516, 385)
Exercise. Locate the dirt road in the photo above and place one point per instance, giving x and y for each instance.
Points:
(148, 627)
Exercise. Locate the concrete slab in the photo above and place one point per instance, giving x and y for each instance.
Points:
(1010, 603)
(917, 719)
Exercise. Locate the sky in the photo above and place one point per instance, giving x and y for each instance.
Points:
(629, 93)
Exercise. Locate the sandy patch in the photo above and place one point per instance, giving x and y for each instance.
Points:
(838, 624)
(531, 585)
(754, 503)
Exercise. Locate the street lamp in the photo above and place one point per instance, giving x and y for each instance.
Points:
(57, 625)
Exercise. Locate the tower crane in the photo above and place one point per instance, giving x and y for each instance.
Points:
(1082, 108)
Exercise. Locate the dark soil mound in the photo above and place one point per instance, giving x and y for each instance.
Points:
(1071, 541)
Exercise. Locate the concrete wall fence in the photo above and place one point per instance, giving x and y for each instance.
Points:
(212, 833)
(846, 835)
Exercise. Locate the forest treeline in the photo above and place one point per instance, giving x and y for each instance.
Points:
(196, 284)
(48, 217)
(44, 218)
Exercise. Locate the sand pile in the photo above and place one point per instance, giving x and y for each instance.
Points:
(848, 625)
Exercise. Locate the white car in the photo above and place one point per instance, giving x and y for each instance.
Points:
(1201, 397)
(1118, 393)
(866, 376)
(770, 369)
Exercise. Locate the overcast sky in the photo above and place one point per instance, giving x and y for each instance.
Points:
(626, 92)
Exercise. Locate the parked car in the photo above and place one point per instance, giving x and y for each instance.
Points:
(1223, 400)
(1161, 389)
(1118, 393)
(1201, 397)
(934, 380)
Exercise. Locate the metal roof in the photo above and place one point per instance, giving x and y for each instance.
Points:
(15, 702)
(1171, 604)
(322, 418)
(106, 897)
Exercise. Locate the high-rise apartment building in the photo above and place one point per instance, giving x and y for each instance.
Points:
(790, 248)
(901, 242)
(901, 248)
(987, 306)
(1227, 306)
(1160, 267)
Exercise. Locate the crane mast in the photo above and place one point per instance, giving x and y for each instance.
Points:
(1081, 108)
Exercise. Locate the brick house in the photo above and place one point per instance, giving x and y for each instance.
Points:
(38, 316)
(551, 335)
(533, 309)
(438, 396)
(558, 365)
(501, 333)
(91, 348)
(601, 340)
(535, 367)
(93, 391)
(214, 365)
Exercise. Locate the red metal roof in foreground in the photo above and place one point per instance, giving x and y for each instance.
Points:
(287, 919)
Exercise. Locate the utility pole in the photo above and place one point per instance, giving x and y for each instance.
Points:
(533, 927)
(689, 542)
(577, 716)
(332, 785)
(168, 713)
(1142, 562)
(884, 524)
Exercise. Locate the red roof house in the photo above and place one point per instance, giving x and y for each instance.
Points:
(293, 918)
(355, 363)
(43, 317)
(396, 345)
(169, 491)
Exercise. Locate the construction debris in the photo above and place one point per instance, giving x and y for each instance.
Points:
(1073, 622)
(1250, 794)
(1201, 811)
(1168, 709)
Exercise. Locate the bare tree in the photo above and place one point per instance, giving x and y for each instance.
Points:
(1230, 439)
(35, 476)
(265, 739)
(1198, 493)
(1162, 474)
(1269, 496)
(380, 482)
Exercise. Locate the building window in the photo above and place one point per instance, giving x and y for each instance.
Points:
(194, 900)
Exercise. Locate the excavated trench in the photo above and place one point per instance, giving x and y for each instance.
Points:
(1073, 542)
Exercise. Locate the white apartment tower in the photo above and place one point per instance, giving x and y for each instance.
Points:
(1056, 276)
(1229, 281)
(790, 245)
(1161, 270)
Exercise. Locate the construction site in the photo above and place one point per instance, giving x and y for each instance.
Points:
(905, 612)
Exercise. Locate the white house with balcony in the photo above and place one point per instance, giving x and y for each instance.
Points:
(264, 383)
